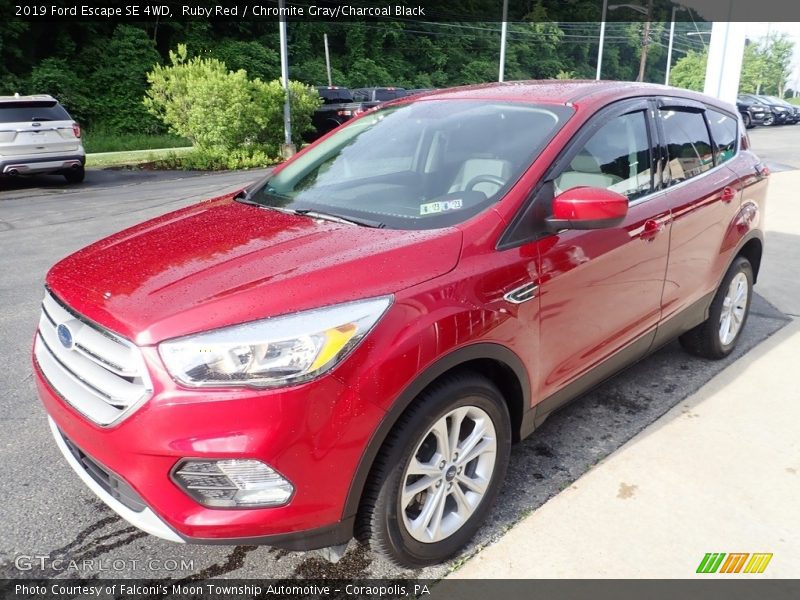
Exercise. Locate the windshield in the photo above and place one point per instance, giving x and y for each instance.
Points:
(777, 100)
(424, 165)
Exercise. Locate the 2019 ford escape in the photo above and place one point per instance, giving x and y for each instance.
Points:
(351, 346)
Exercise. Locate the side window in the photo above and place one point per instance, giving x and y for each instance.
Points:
(617, 158)
(724, 130)
(688, 145)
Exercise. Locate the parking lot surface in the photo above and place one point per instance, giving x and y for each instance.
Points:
(47, 511)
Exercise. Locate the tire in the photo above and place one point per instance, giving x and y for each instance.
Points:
(75, 175)
(748, 121)
(712, 339)
(386, 524)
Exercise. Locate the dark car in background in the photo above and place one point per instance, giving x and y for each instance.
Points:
(753, 112)
(373, 96)
(793, 115)
(779, 113)
(338, 107)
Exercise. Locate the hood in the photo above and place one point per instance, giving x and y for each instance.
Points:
(221, 262)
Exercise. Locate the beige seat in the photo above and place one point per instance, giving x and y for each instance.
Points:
(476, 167)
(585, 171)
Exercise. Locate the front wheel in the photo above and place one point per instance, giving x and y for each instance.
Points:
(438, 473)
(717, 336)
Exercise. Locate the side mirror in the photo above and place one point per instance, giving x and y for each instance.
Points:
(587, 208)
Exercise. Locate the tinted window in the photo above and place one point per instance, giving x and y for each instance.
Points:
(27, 112)
(724, 130)
(385, 95)
(688, 145)
(337, 96)
(423, 165)
(617, 158)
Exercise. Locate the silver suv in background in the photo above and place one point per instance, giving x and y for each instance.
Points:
(37, 135)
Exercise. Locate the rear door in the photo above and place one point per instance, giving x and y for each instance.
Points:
(703, 196)
(34, 128)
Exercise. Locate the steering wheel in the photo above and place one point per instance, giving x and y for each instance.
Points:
(498, 181)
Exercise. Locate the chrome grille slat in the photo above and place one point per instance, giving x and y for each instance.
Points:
(102, 375)
(97, 342)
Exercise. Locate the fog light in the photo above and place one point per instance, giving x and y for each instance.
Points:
(232, 483)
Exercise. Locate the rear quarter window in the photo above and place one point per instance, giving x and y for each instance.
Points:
(725, 131)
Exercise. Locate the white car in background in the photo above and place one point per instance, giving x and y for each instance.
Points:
(37, 135)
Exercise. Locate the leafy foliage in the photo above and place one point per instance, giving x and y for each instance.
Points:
(690, 71)
(99, 69)
(119, 75)
(56, 77)
(765, 68)
(215, 159)
(224, 111)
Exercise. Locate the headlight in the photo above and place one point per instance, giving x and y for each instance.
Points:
(273, 352)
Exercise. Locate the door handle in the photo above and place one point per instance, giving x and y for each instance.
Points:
(651, 229)
(728, 194)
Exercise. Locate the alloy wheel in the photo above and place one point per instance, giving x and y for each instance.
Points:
(448, 474)
(734, 309)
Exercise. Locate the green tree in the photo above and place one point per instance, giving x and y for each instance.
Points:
(221, 110)
(117, 81)
(777, 58)
(55, 76)
(690, 71)
(752, 69)
(255, 58)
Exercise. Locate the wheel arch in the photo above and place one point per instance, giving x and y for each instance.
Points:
(494, 361)
(752, 250)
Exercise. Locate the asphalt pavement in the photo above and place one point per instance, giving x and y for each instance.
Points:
(47, 511)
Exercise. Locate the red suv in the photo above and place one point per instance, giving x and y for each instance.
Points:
(351, 346)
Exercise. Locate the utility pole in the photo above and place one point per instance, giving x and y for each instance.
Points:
(645, 41)
(327, 59)
(503, 31)
(602, 39)
(287, 149)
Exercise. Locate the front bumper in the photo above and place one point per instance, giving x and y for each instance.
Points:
(145, 519)
(313, 434)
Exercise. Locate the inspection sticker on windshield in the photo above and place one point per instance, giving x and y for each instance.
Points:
(432, 208)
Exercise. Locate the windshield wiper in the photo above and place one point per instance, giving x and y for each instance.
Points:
(243, 196)
(315, 214)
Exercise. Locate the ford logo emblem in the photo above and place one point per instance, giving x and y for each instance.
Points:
(64, 336)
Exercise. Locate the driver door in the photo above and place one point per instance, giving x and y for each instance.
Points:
(600, 290)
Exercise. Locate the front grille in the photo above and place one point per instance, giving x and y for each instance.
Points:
(115, 486)
(99, 373)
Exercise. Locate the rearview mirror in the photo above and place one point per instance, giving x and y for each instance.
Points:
(587, 208)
